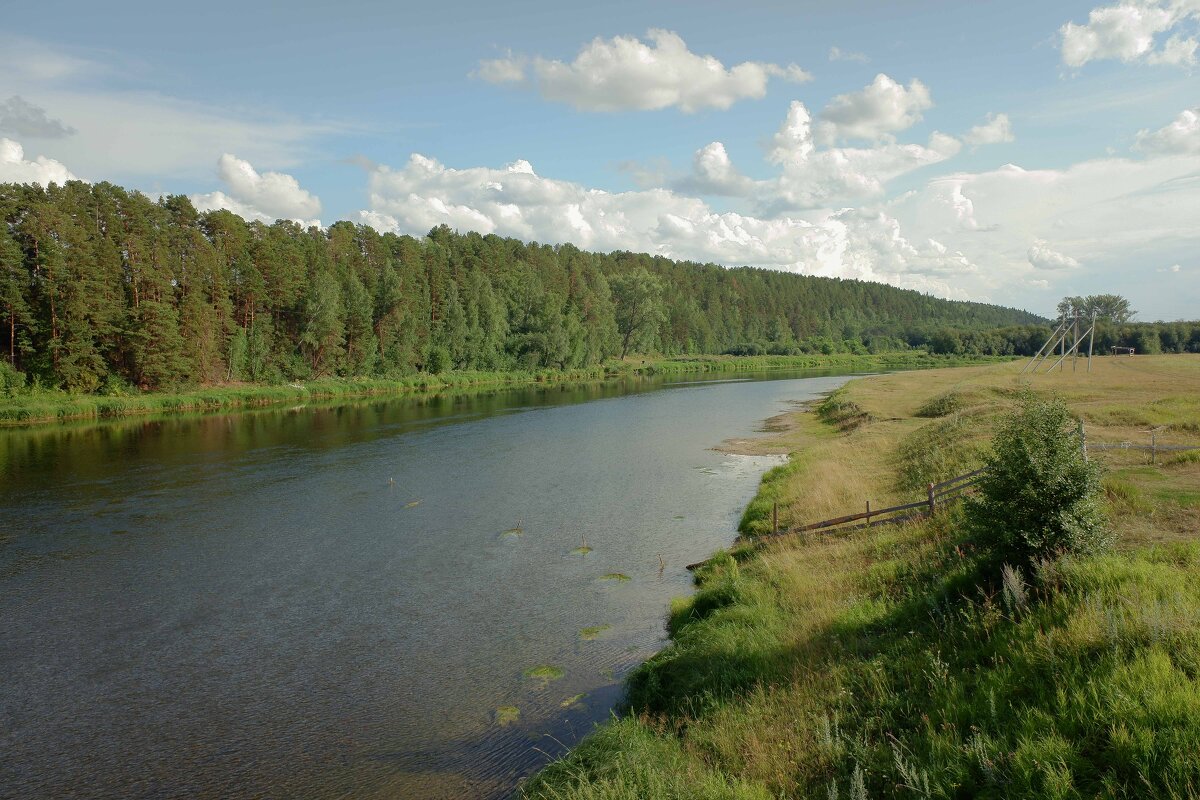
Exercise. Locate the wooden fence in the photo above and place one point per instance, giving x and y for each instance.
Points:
(1154, 447)
(947, 491)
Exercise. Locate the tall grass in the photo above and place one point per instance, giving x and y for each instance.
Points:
(905, 662)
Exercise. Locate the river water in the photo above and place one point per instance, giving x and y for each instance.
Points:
(338, 601)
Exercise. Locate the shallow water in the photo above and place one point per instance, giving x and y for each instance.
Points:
(334, 602)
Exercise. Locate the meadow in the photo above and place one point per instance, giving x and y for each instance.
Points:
(906, 662)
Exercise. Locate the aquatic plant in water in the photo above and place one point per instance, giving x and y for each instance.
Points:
(545, 672)
(507, 715)
(590, 633)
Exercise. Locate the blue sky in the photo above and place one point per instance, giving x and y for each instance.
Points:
(1011, 152)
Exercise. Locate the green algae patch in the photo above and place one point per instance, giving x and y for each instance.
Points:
(581, 551)
(545, 673)
(412, 504)
(617, 577)
(507, 715)
(593, 632)
(573, 701)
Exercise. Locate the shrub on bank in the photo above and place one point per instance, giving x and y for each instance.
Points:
(1040, 496)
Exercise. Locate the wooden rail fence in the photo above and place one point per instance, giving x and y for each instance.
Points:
(936, 494)
(945, 492)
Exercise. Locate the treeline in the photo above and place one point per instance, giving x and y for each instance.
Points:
(1148, 338)
(102, 289)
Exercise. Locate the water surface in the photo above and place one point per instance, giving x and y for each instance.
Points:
(334, 602)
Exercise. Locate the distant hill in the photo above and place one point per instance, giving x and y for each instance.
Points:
(102, 287)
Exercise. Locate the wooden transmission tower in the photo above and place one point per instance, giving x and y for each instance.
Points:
(1066, 340)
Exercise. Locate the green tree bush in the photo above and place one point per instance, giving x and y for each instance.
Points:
(1040, 496)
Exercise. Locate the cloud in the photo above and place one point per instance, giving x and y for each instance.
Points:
(31, 61)
(813, 177)
(266, 197)
(995, 130)
(880, 109)
(1181, 137)
(838, 54)
(1041, 256)
(714, 173)
(14, 168)
(1174, 268)
(22, 118)
(516, 201)
(1109, 216)
(627, 74)
(1126, 32)
(132, 134)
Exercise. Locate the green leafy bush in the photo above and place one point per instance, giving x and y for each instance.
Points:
(1040, 496)
(12, 381)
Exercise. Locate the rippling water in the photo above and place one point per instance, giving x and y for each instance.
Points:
(334, 602)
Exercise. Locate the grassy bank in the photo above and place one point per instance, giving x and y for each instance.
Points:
(899, 662)
(26, 407)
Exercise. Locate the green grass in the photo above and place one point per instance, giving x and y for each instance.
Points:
(945, 404)
(938, 451)
(838, 409)
(903, 663)
(29, 406)
(930, 685)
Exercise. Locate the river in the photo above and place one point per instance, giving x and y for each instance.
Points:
(344, 601)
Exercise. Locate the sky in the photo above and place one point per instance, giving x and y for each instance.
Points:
(1008, 152)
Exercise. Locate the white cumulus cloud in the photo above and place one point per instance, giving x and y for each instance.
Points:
(994, 130)
(15, 168)
(263, 196)
(810, 176)
(626, 73)
(1128, 32)
(1099, 220)
(1042, 256)
(1181, 137)
(878, 110)
(516, 201)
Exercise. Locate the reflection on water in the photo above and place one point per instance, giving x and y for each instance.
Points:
(335, 601)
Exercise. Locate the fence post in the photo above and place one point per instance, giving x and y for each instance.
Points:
(931, 500)
(1153, 446)
(775, 518)
(1083, 442)
(868, 513)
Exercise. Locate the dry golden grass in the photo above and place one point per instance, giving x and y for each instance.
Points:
(839, 471)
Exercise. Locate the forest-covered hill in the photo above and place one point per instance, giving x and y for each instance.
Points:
(101, 287)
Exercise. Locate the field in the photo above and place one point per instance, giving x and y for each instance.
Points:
(901, 662)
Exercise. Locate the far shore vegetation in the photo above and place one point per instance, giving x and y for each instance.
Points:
(1041, 640)
(21, 404)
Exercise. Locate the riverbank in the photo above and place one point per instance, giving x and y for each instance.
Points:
(29, 407)
(896, 662)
